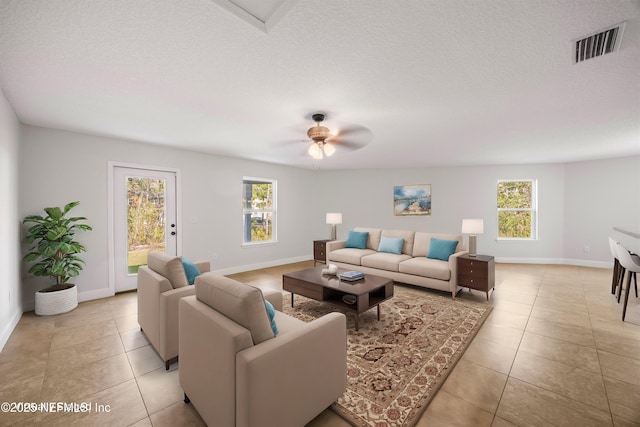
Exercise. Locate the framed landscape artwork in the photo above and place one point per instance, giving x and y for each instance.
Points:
(411, 200)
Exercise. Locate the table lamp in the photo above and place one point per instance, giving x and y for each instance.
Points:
(334, 218)
(472, 227)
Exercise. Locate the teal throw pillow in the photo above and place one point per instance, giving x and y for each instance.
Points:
(357, 239)
(391, 245)
(191, 270)
(272, 316)
(441, 249)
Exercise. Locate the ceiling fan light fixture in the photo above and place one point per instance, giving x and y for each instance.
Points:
(315, 151)
(328, 149)
(318, 133)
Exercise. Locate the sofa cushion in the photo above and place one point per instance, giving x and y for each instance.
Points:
(392, 245)
(349, 255)
(442, 249)
(374, 237)
(426, 267)
(423, 241)
(191, 270)
(168, 266)
(407, 235)
(242, 303)
(384, 261)
(357, 240)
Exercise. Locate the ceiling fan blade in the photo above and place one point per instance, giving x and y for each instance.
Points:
(353, 130)
(352, 137)
(351, 145)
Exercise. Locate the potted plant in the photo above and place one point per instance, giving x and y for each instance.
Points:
(55, 254)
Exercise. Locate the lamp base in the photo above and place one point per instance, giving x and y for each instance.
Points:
(333, 232)
(472, 245)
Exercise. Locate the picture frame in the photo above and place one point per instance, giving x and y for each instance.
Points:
(412, 200)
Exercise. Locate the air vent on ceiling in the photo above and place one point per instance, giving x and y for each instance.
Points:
(606, 41)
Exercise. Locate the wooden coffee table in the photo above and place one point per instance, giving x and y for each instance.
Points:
(311, 283)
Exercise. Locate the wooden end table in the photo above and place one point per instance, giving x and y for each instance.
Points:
(477, 272)
(369, 292)
(320, 251)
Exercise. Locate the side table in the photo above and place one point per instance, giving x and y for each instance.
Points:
(320, 251)
(478, 272)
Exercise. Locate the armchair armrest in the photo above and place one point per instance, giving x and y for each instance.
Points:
(150, 286)
(274, 297)
(203, 266)
(169, 300)
(306, 368)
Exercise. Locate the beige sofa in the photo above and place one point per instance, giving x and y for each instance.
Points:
(234, 370)
(161, 284)
(410, 266)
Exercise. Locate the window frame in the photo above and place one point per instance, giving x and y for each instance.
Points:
(533, 209)
(251, 211)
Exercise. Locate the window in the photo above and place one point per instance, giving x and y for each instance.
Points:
(517, 210)
(259, 210)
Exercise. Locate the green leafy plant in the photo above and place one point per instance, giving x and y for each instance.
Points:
(53, 249)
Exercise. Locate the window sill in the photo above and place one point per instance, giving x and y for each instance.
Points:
(259, 244)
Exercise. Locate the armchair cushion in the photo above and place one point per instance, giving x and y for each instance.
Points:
(168, 266)
(242, 303)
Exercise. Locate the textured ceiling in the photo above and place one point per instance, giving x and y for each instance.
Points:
(455, 82)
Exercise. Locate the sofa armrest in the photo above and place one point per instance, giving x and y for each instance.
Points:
(305, 368)
(453, 268)
(168, 348)
(203, 266)
(333, 246)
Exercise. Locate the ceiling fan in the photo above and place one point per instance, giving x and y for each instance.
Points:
(324, 141)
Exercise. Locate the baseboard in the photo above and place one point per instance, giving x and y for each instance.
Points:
(97, 294)
(8, 328)
(267, 264)
(30, 304)
(556, 261)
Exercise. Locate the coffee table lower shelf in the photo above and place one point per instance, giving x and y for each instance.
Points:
(331, 291)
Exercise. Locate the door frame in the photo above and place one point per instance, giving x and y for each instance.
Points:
(111, 165)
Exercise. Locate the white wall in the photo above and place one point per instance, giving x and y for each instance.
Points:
(211, 191)
(10, 257)
(600, 195)
(570, 216)
(58, 167)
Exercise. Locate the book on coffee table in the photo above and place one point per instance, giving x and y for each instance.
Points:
(351, 276)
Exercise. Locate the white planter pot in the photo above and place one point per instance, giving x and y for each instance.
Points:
(49, 303)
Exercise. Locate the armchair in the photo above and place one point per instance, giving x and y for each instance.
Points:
(161, 284)
(236, 373)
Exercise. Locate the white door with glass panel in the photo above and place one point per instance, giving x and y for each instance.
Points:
(144, 216)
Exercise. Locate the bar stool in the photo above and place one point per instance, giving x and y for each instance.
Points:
(632, 264)
(618, 270)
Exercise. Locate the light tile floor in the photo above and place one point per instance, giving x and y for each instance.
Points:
(554, 351)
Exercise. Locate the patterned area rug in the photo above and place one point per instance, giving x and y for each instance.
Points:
(396, 365)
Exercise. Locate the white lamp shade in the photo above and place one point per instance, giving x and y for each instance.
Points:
(334, 218)
(472, 226)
